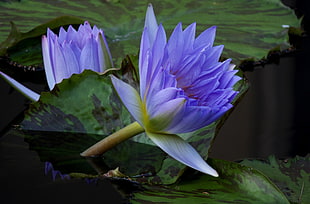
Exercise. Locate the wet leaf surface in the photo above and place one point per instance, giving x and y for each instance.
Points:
(246, 28)
(236, 184)
(292, 175)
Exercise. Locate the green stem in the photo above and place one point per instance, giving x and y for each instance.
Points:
(112, 140)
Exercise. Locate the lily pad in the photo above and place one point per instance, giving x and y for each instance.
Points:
(236, 184)
(84, 103)
(292, 175)
(246, 28)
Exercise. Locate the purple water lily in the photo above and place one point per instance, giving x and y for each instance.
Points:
(74, 51)
(70, 52)
(183, 87)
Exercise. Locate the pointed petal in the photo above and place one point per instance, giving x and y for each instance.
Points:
(181, 151)
(71, 33)
(71, 61)
(158, 49)
(104, 55)
(89, 56)
(175, 48)
(46, 52)
(62, 35)
(213, 56)
(206, 37)
(129, 97)
(60, 68)
(24, 90)
(151, 23)
(189, 32)
(144, 61)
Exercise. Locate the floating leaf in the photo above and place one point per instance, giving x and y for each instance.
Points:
(292, 176)
(246, 28)
(84, 103)
(236, 184)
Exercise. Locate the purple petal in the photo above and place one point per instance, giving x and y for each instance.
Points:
(229, 79)
(95, 31)
(76, 50)
(189, 32)
(71, 34)
(158, 49)
(203, 86)
(62, 35)
(162, 79)
(181, 151)
(144, 61)
(206, 37)
(175, 48)
(151, 23)
(165, 113)
(196, 117)
(89, 56)
(161, 97)
(71, 60)
(220, 97)
(213, 57)
(47, 59)
(60, 68)
(129, 97)
(21, 88)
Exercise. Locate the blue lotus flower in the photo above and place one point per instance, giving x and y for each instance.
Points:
(183, 87)
(70, 52)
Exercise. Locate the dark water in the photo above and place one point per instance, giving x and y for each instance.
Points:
(23, 178)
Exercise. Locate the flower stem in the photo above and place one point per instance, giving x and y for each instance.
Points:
(112, 140)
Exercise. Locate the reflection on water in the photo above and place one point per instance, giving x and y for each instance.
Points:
(23, 174)
(49, 168)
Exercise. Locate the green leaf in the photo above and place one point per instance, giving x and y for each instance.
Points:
(246, 28)
(236, 184)
(25, 47)
(292, 176)
(84, 103)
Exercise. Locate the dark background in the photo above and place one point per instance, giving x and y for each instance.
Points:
(273, 118)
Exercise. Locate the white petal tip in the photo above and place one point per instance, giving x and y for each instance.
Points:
(231, 67)
(211, 172)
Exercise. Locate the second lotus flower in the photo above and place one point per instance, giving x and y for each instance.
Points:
(70, 52)
(183, 87)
